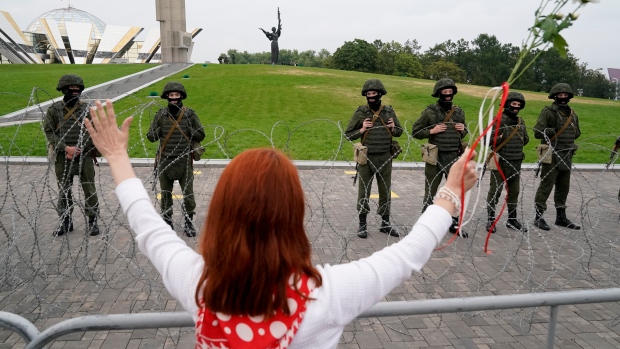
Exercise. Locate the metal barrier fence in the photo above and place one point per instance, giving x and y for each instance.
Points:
(36, 339)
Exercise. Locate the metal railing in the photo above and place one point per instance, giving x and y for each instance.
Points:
(554, 300)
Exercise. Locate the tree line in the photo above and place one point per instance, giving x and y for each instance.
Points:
(483, 61)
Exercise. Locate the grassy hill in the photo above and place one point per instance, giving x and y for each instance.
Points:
(303, 110)
(19, 80)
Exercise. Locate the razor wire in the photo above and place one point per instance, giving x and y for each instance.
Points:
(43, 277)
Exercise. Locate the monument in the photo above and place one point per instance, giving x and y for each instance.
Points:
(175, 41)
(273, 37)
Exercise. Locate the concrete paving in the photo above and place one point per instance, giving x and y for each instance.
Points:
(48, 279)
(114, 90)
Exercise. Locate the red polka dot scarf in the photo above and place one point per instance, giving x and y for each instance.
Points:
(220, 331)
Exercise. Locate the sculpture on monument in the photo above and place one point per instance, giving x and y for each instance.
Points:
(273, 37)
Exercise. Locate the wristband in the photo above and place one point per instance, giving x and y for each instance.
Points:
(447, 194)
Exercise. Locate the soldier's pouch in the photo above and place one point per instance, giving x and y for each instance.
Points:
(395, 149)
(545, 153)
(430, 152)
(360, 153)
(492, 160)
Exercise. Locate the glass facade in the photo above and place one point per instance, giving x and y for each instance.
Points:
(69, 14)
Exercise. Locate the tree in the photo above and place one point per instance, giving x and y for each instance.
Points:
(443, 69)
(408, 65)
(551, 68)
(492, 62)
(357, 55)
(412, 47)
(594, 84)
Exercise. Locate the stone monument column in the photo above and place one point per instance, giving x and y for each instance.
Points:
(175, 41)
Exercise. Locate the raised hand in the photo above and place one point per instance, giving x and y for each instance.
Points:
(111, 140)
(106, 135)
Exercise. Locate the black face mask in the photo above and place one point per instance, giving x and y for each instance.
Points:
(376, 103)
(71, 96)
(444, 98)
(174, 108)
(444, 103)
(562, 101)
(511, 112)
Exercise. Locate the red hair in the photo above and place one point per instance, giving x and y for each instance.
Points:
(254, 238)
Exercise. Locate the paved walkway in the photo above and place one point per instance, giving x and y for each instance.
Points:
(47, 279)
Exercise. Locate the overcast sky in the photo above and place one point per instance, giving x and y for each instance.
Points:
(313, 25)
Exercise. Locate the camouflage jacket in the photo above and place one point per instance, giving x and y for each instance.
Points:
(379, 138)
(551, 120)
(513, 150)
(450, 139)
(188, 130)
(61, 133)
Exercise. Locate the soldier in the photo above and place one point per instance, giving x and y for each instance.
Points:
(73, 153)
(376, 124)
(176, 128)
(557, 126)
(444, 125)
(510, 140)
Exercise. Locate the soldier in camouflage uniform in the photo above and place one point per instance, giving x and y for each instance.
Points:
(510, 156)
(174, 158)
(447, 135)
(379, 164)
(550, 121)
(72, 150)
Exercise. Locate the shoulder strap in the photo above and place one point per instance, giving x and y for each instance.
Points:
(180, 130)
(449, 118)
(449, 114)
(515, 129)
(386, 127)
(374, 118)
(69, 114)
(557, 134)
(165, 141)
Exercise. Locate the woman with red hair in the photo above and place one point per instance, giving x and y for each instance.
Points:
(251, 284)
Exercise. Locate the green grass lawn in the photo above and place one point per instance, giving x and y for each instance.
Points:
(303, 111)
(19, 80)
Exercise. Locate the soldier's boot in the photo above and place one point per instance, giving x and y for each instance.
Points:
(93, 228)
(539, 221)
(362, 231)
(168, 221)
(562, 221)
(490, 220)
(455, 226)
(387, 228)
(513, 223)
(64, 226)
(190, 230)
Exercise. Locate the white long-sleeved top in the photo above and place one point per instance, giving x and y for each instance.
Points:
(347, 290)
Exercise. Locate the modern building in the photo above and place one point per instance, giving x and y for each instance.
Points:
(72, 36)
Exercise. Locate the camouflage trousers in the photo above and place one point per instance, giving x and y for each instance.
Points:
(83, 167)
(552, 176)
(380, 166)
(179, 169)
(433, 175)
(512, 172)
